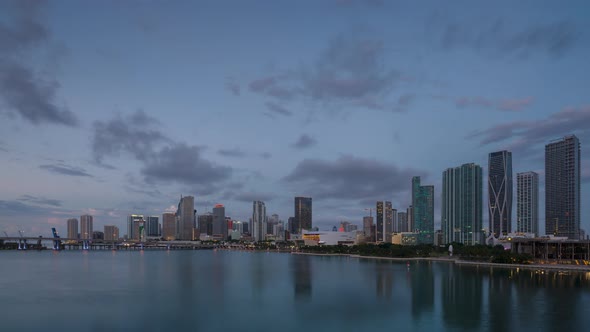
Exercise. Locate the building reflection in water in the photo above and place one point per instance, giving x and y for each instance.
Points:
(422, 285)
(301, 268)
(384, 282)
(500, 299)
(461, 296)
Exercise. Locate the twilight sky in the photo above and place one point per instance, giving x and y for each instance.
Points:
(118, 107)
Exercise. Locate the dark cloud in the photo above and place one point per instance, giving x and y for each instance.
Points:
(509, 105)
(183, 164)
(16, 208)
(63, 169)
(404, 101)
(235, 153)
(232, 86)
(305, 141)
(249, 197)
(22, 89)
(131, 134)
(266, 155)
(501, 38)
(278, 109)
(522, 136)
(351, 177)
(40, 200)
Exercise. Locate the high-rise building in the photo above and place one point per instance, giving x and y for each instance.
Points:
(462, 211)
(258, 221)
(402, 221)
(135, 226)
(379, 226)
(500, 193)
(206, 224)
(303, 213)
(410, 215)
(86, 227)
(292, 225)
(111, 233)
(186, 218)
(72, 228)
(219, 222)
(97, 235)
(562, 187)
(367, 227)
(388, 231)
(527, 204)
(169, 226)
(423, 206)
(153, 226)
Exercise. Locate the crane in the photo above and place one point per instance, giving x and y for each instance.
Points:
(6, 234)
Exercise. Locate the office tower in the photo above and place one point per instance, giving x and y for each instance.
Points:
(245, 228)
(402, 221)
(135, 224)
(367, 227)
(206, 224)
(111, 233)
(500, 192)
(292, 225)
(527, 206)
(258, 221)
(153, 226)
(423, 206)
(379, 227)
(462, 211)
(219, 221)
(86, 227)
(388, 231)
(303, 213)
(169, 226)
(186, 218)
(562, 187)
(410, 216)
(72, 228)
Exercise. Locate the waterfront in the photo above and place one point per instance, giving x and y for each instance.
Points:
(254, 291)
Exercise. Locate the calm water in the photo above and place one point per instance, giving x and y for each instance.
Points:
(221, 290)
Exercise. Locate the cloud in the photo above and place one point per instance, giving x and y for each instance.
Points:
(130, 134)
(305, 141)
(235, 153)
(63, 169)
(232, 86)
(22, 90)
(500, 38)
(509, 105)
(351, 177)
(266, 155)
(404, 101)
(40, 200)
(278, 109)
(526, 135)
(16, 208)
(250, 196)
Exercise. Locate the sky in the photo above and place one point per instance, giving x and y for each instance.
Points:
(118, 107)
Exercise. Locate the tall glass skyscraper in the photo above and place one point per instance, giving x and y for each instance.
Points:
(527, 204)
(303, 213)
(219, 222)
(73, 228)
(86, 227)
(258, 221)
(562, 187)
(423, 210)
(153, 225)
(500, 192)
(379, 222)
(462, 211)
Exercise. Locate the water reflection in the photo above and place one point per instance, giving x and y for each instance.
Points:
(422, 285)
(384, 279)
(301, 267)
(461, 297)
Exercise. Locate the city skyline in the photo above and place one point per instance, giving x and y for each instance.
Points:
(94, 125)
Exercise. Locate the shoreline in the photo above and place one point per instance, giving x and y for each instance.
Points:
(554, 267)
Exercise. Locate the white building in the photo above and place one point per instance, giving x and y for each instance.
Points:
(329, 238)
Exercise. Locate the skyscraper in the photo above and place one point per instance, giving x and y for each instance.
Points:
(86, 227)
(186, 218)
(153, 226)
(462, 211)
(379, 226)
(423, 206)
(367, 227)
(258, 221)
(410, 216)
(562, 187)
(219, 222)
(73, 228)
(388, 230)
(303, 213)
(500, 192)
(169, 226)
(111, 233)
(135, 225)
(206, 224)
(402, 221)
(527, 206)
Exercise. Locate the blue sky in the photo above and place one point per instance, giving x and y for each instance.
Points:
(116, 107)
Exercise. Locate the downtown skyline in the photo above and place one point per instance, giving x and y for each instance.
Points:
(122, 119)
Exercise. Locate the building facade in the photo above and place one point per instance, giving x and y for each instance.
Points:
(562, 187)
(379, 224)
(86, 229)
(388, 222)
(219, 222)
(259, 221)
(500, 193)
(402, 222)
(169, 226)
(368, 228)
(72, 228)
(462, 211)
(423, 206)
(135, 226)
(303, 213)
(206, 224)
(111, 233)
(153, 226)
(185, 218)
(527, 204)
